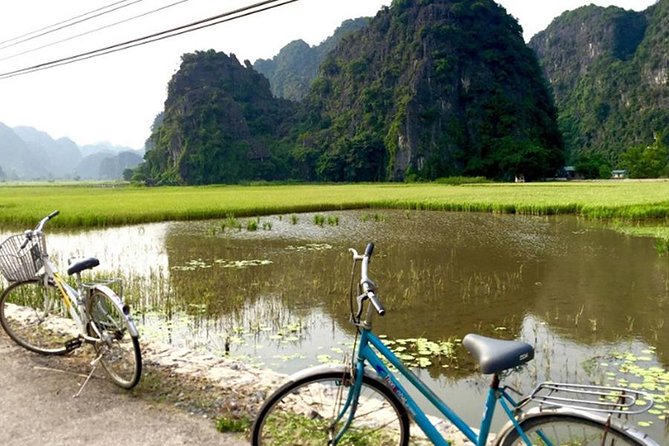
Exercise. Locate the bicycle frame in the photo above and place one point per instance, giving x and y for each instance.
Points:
(367, 353)
(70, 296)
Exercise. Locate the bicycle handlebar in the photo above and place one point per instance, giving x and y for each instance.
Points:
(43, 221)
(368, 286)
(38, 228)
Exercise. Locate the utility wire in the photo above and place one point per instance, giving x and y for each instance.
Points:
(64, 24)
(76, 36)
(173, 32)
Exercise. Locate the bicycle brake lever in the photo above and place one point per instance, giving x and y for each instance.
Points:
(29, 237)
(360, 299)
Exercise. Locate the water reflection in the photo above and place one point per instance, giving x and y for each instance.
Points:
(278, 296)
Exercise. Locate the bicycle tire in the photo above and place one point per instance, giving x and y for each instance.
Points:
(297, 413)
(34, 316)
(569, 429)
(118, 349)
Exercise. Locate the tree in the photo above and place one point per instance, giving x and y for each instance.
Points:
(647, 162)
(592, 165)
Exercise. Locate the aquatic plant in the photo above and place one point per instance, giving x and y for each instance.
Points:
(376, 217)
(251, 225)
(423, 353)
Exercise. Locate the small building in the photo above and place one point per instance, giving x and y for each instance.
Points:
(569, 172)
(619, 174)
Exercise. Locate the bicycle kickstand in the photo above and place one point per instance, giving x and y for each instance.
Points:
(94, 364)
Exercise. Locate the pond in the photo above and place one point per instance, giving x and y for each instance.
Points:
(274, 292)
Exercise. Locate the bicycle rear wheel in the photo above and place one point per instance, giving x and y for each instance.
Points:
(35, 317)
(118, 347)
(564, 429)
(302, 412)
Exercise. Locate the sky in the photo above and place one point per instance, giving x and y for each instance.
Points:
(115, 98)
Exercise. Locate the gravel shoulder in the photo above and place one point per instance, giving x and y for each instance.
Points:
(38, 407)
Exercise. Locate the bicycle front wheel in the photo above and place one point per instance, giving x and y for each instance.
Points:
(35, 317)
(557, 429)
(303, 413)
(118, 348)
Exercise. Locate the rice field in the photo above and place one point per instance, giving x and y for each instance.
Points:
(109, 204)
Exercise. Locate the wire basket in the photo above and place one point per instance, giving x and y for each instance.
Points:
(19, 263)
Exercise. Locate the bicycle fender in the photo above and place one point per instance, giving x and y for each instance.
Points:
(598, 418)
(123, 308)
(340, 368)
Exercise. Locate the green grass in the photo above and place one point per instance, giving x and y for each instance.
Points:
(99, 205)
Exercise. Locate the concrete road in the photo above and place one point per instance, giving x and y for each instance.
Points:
(37, 407)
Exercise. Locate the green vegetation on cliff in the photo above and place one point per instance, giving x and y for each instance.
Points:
(291, 72)
(609, 69)
(429, 88)
(221, 124)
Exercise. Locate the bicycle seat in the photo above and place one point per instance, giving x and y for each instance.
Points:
(496, 355)
(81, 265)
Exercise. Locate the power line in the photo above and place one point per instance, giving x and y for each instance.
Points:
(172, 32)
(76, 36)
(64, 24)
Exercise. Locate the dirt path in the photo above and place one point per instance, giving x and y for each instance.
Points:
(37, 408)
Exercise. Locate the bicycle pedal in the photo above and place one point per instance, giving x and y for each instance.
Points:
(73, 344)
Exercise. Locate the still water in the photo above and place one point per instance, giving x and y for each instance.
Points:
(592, 301)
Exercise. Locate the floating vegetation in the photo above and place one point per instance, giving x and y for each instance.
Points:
(242, 263)
(333, 220)
(310, 247)
(638, 372)
(421, 352)
(319, 220)
(294, 219)
(267, 225)
(192, 265)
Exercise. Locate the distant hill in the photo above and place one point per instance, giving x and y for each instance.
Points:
(29, 154)
(221, 124)
(107, 165)
(17, 159)
(91, 149)
(58, 157)
(292, 71)
(432, 88)
(427, 88)
(609, 70)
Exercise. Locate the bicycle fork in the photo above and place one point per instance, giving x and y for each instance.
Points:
(349, 407)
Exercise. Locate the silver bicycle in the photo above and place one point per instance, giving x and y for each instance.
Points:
(43, 313)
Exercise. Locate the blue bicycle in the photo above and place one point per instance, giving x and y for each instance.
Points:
(364, 403)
